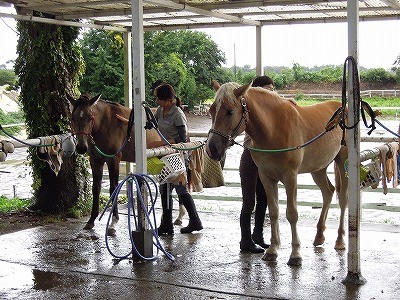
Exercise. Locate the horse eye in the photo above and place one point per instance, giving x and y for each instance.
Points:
(230, 112)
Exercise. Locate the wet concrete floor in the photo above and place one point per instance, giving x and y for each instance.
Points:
(62, 261)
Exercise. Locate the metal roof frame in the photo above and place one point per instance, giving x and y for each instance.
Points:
(139, 15)
(192, 14)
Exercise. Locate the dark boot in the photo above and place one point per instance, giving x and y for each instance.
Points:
(257, 235)
(259, 216)
(194, 220)
(246, 243)
(258, 238)
(166, 226)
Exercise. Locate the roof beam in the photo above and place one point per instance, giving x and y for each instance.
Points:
(60, 22)
(83, 4)
(200, 11)
(392, 3)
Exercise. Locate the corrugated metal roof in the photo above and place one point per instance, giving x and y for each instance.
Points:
(165, 14)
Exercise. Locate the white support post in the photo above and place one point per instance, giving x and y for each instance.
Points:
(353, 257)
(143, 237)
(128, 80)
(259, 66)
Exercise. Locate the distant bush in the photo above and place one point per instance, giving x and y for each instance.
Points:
(284, 76)
(8, 77)
(378, 75)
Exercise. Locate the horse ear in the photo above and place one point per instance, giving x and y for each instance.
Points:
(240, 91)
(94, 99)
(216, 85)
(71, 99)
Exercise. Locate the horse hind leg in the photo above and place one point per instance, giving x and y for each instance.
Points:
(341, 191)
(327, 189)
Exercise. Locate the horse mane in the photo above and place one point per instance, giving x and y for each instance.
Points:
(227, 90)
(84, 99)
(111, 102)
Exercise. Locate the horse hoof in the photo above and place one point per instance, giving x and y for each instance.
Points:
(269, 257)
(295, 261)
(88, 226)
(319, 241)
(178, 222)
(340, 246)
(111, 232)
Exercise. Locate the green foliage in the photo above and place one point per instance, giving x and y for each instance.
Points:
(104, 57)
(329, 74)
(282, 79)
(13, 205)
(378, 75)
(49, 65)
(8, 77)
(188, 60)
(198, 53)
(283, 76)
(11, 118)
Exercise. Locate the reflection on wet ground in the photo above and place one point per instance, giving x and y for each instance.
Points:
(61, 261)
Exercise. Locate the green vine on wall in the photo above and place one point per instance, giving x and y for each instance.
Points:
(49, 65)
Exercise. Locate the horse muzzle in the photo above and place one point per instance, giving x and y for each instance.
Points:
(81, 144)
(216, 147)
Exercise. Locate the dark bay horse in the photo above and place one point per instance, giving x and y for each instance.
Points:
(275, 123)
(103, 124)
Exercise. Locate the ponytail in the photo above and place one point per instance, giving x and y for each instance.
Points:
(178, 102)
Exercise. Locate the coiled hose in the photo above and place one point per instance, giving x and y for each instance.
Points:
(147, 181)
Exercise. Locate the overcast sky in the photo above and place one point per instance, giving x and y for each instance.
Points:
(308, 45)
(311, 44)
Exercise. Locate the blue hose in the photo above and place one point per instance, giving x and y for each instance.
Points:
(113, 201)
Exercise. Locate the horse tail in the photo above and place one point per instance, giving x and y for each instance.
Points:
(337, 178)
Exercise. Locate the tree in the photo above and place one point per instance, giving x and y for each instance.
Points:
(104, 59)
(199, 54)
(7, 77)
(189, 60)
(49, 65)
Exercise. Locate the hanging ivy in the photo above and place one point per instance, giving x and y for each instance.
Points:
(49, 65)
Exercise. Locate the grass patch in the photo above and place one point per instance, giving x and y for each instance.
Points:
(11, 118)
(13, 205)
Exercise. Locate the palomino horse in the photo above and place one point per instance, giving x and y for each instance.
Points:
(102, 125)
(275, 123)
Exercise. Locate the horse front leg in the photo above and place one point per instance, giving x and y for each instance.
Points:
(292, 216)
(97, 174)
(327, 189)
(271, 190)
(113, 172)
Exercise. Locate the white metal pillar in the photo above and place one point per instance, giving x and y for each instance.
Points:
(142, 237)
(128, 79)
(353, 257)
(138, 84)
(259, 66)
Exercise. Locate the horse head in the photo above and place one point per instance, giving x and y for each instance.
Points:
(82, 120)
(228, 114)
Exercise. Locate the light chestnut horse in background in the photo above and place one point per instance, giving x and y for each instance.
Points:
(275, 123)
(102, 125)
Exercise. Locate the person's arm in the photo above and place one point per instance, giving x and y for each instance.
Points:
(182, 133)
